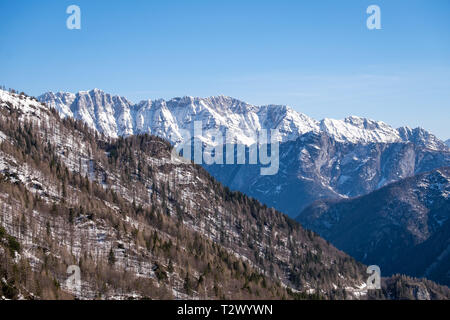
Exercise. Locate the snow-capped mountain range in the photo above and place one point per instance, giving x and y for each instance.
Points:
(116, 116)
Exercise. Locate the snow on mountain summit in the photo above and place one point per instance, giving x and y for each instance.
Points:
(104, 112)
(359, 130)
(116, 116)
(61, 101)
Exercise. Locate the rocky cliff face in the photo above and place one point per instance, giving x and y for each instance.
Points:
(316, 166)
(116, 116)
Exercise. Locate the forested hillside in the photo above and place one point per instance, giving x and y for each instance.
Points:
(142, 226)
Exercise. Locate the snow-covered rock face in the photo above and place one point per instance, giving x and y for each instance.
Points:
(115, 116)
(448, 143)
(421, 137)
(61, 101)
(359, 130)
(107, 114)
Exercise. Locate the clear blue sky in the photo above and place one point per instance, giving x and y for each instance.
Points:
(316, 56)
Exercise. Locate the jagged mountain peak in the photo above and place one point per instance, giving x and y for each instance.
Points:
(365, 123)
(422, 137)
(94, 90)
(98, 93)
(61, 101)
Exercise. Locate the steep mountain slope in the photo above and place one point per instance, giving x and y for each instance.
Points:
(448, 143)
(403, 227)
(141, 225)
(316, 166)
